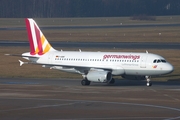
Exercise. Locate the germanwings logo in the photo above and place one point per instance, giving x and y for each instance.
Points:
(134, 57)
(38, 43)
(155, 66)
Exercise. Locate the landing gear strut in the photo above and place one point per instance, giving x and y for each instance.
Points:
(148, 81)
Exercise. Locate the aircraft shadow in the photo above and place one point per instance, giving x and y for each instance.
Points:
(124, 82)
(175, 77)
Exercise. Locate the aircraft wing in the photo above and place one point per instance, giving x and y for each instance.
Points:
(76, 69)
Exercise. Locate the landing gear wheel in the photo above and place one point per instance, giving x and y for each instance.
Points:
(85, 82)
(112, 81)
(149, 84)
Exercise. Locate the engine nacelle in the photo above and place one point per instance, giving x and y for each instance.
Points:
(99, 76)
(133, 77)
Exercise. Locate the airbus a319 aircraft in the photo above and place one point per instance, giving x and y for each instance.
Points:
(93, 66)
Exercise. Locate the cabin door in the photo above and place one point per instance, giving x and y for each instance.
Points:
(143, 62)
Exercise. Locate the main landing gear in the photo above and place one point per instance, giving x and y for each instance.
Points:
(85, 82)
(148, 81)
(112, 81)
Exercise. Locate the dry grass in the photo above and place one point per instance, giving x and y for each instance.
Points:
(142, 34)
(168, 34)
(10, 66)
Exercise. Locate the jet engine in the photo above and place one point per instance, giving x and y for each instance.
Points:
(99, 76)
(134, 77)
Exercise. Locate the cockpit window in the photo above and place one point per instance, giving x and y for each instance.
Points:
(159, 61)
(164, 61)
(154, 61)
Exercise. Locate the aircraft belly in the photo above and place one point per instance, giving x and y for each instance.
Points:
(143, 72)
(138, 72)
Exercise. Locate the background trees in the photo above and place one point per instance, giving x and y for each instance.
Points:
(87, 8)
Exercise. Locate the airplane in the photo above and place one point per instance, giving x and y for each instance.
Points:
(93, 66)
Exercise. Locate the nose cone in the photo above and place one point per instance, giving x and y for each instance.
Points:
(169, 68)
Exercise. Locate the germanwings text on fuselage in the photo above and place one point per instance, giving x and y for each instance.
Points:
(134, 57)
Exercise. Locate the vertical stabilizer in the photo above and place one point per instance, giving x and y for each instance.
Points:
(38, 42)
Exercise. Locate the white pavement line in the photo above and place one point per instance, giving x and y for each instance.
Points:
(104, 102)
(175, 118)
(43, 106)
(171, 97)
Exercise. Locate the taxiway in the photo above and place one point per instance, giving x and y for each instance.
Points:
(22, 98)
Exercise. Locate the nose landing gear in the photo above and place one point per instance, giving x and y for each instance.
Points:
(148, 81)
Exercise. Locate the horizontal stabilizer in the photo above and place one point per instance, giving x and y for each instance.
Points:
(13, 55)
(21, 62)
(18, 55)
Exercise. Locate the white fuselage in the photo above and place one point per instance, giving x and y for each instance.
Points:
(118, 63)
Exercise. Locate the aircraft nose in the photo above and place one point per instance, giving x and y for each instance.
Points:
(170, 68)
